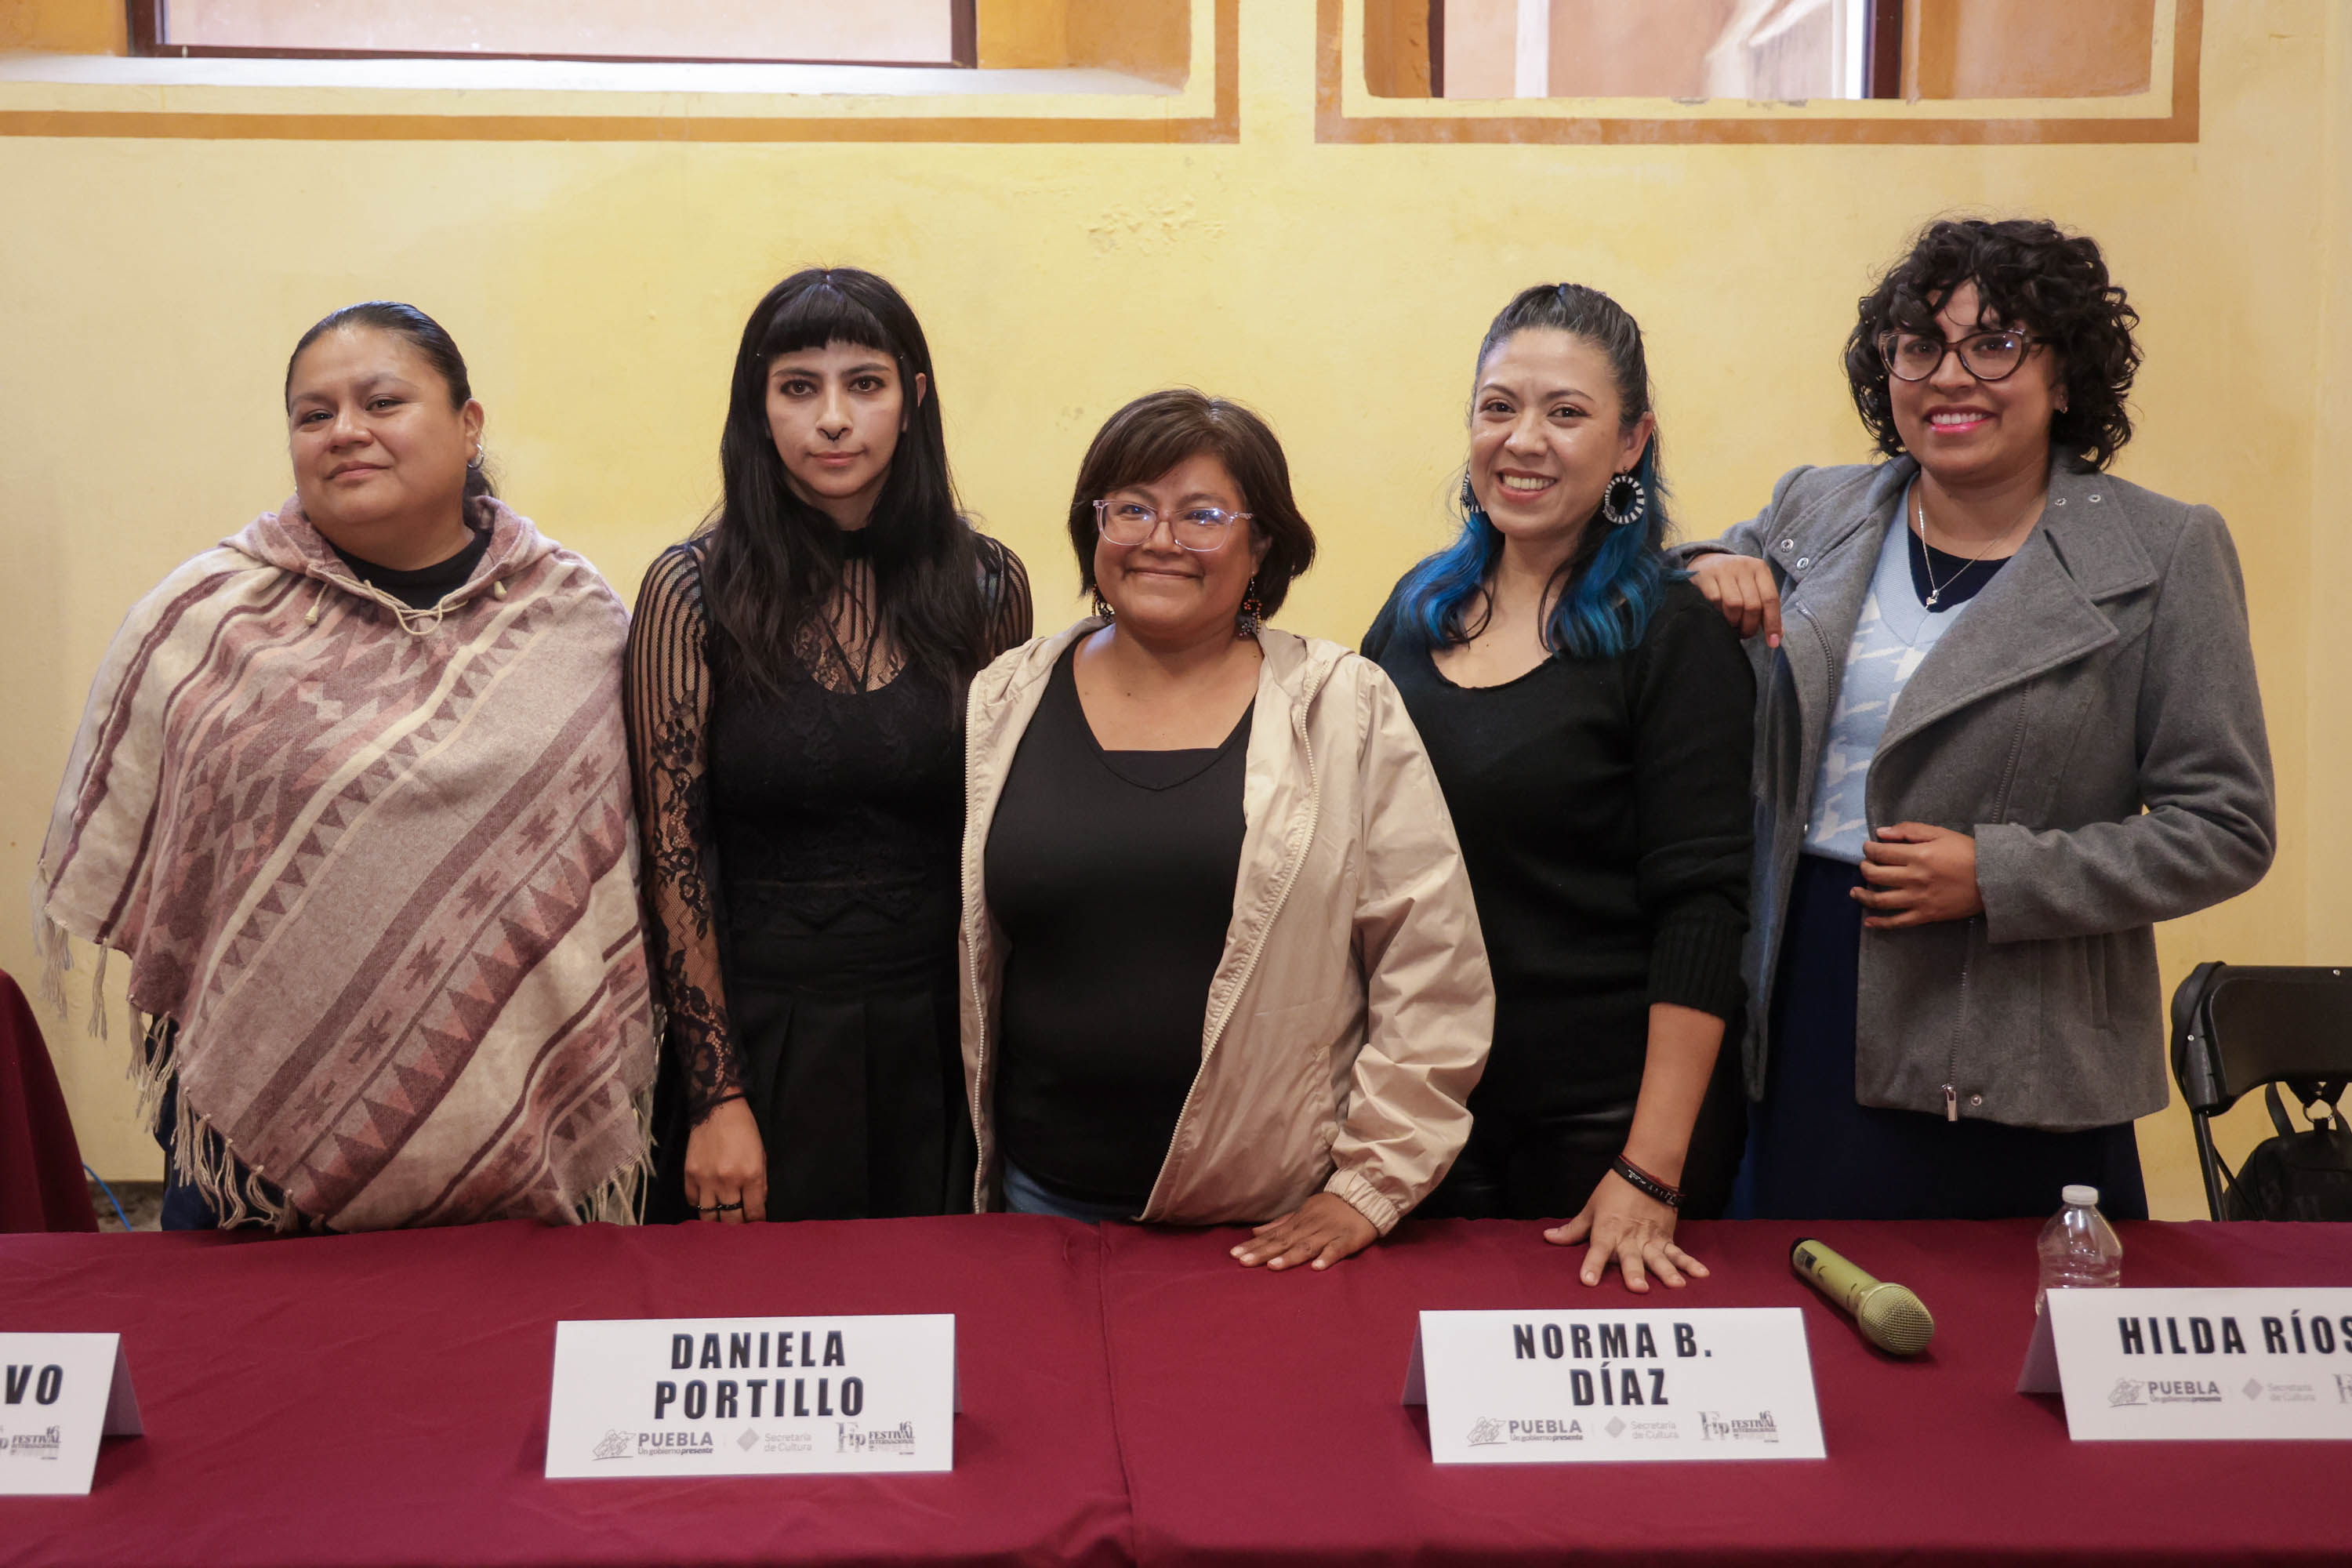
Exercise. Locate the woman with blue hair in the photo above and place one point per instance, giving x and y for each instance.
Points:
(1589, 715)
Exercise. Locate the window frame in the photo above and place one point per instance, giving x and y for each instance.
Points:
(165, 98)
(147, 27)
(1346, 111)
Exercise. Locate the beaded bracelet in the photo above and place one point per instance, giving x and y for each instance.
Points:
(1648, 1185)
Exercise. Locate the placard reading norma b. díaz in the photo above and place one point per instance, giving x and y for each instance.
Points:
(746, 1396)
(1564, 1387)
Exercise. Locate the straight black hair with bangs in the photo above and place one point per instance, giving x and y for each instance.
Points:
(774, 560)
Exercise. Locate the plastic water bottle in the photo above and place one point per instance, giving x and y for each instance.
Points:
(2079, 1249)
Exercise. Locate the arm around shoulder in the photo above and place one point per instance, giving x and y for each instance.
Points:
(1748, 538)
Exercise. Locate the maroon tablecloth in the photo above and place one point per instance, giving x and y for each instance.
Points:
(1260, 1421)
(382, 1399)
(1128, 1395)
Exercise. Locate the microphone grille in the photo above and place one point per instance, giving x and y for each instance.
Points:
(1895, 1320)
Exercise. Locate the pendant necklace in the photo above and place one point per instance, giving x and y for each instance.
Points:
(1927, 562)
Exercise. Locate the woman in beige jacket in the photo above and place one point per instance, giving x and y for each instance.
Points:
(1222, 963)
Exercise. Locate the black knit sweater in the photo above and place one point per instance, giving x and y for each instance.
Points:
(1603, 807)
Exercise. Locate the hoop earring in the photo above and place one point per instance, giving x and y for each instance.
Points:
(1253, 613)
(1470, 507)
(1625, 502)
(475, 462)
(1102, 607)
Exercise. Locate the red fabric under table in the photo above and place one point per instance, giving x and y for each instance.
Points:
(41, 1184)
(1260, 1421)
(382, 1399)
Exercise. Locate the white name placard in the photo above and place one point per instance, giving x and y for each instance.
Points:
(1545, 1387)
(2158, 1365)
(60, 1394)
(753, 1396)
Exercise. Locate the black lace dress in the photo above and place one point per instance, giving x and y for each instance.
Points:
(802, 874)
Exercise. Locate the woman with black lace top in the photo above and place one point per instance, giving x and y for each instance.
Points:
(795, 694)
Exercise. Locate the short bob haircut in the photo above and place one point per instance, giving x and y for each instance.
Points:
(2030, 275)
(1161, 429)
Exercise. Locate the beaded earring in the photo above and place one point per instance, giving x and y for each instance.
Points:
(1253, 613)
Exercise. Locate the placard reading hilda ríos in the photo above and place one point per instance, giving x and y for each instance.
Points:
(746, 1396)
(2196, 1363)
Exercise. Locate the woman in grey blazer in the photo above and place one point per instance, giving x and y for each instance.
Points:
(2007, 721)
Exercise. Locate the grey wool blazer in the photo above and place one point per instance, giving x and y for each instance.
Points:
(2093, 720)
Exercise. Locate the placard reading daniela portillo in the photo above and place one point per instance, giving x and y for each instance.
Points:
(59, 1394)
(1521, 1388)
(750, 1396)
(2157, 1364)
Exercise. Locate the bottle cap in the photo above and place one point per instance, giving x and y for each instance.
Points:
(2082, 1197)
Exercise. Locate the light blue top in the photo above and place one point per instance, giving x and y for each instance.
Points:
(1890, 642)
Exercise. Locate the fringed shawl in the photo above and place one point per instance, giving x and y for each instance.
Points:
(377, 867)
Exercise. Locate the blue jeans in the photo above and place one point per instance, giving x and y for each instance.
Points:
(1022, 1195)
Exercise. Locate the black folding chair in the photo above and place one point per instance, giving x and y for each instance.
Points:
(2236, 1029)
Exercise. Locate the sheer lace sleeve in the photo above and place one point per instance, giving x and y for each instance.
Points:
(1006, 586)
(668, 691)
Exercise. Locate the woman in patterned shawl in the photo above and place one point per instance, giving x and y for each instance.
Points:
(352, 796)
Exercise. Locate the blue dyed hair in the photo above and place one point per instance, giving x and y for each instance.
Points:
(1616, 574)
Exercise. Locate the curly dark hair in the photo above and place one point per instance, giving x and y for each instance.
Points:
(2030, 275)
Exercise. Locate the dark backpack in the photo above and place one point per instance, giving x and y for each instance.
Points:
(2304, 1175)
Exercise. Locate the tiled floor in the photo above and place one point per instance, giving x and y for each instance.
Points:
(142, 1204)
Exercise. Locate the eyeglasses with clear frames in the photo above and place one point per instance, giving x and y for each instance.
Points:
(1199, 529)
(1991, 355)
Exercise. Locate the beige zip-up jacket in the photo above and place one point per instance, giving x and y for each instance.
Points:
(1350, 1013)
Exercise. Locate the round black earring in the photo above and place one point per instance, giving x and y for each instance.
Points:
(1625, 502)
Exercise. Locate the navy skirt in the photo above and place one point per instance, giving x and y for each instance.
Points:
(1814, 1152)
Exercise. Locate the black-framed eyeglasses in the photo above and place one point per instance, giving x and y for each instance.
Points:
(1195, 528)
(1990, 355)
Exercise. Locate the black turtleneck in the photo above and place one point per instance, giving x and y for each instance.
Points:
(424, 587)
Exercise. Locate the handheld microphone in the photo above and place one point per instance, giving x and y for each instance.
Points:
(1890, 1316)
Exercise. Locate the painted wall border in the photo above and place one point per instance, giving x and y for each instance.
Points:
(1222, 124)
(1333, 123)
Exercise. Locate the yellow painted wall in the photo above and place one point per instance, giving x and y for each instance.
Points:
(149, 290)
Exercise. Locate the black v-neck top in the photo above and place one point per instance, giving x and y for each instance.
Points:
(1111, 874)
